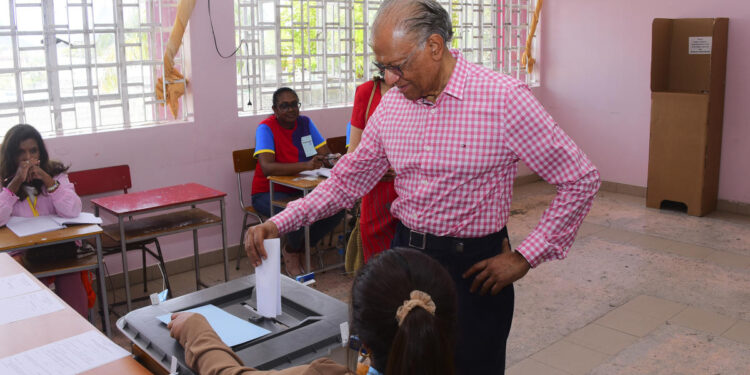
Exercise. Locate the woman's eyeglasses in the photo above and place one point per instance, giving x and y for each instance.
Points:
(283, 107)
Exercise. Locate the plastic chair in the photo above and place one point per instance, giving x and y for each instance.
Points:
(244, 162)
(106, 180)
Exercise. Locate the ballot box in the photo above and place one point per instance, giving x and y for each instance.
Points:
(308, 328)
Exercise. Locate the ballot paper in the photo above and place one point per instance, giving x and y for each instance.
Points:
(231, 329)
(268, 280)
(73, 355)
(28, 306)
(16, 285)
(26, 226)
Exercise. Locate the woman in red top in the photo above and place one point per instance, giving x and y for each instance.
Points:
(376, 223)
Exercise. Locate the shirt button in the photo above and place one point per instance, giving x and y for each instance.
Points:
(433, 111)
(427, 148)
(424, 182)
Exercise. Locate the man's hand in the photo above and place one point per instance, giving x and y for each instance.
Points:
(497, 272)
(390, 175)
(254, 241)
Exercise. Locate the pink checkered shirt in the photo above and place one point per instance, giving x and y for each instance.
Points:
(455, 162)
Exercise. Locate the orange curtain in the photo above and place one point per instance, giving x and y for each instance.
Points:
(526, 59)
(174, 89)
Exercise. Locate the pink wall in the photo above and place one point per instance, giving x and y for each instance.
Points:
(595, 82)
(197, 151)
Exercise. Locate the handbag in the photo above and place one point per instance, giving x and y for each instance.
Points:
(354, 257)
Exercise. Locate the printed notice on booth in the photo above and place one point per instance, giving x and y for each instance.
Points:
(699, 45)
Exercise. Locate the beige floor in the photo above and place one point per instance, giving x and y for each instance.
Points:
(642, 291)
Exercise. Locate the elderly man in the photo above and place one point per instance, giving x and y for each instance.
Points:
(454, 132)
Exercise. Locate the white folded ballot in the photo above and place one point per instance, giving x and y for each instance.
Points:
(268, 281)
(26, 226)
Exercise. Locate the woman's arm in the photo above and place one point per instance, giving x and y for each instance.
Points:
(64, 198)
(7, 201)
(355, 135)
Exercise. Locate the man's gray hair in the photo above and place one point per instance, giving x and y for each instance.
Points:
(423, 18)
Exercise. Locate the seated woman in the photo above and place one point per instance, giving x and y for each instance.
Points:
(403, 310)
(286, 144)
(33, 185)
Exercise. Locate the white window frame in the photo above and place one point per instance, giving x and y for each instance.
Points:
(476, 34)
(136, 78)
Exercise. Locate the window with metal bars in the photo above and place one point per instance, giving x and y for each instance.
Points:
(82, 66)
(320, 49)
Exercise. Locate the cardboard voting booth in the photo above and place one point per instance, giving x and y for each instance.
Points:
(688, 69)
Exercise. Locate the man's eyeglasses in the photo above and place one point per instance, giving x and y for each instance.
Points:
(283, 107)
(395, 69)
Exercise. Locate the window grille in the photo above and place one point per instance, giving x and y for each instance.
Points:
(320, 49)
(81, 66)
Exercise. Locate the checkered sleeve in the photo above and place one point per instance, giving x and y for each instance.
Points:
(537, 140)
(352, 177)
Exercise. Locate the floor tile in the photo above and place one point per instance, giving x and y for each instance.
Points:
(630, 322)
(615, 235)
(570, 357)
(588, 229)
(729, 259)
(703, 320)
(739, 332)
(658, 308)
(602, 339)
(531, 367)
(652, 243)
(690, 250)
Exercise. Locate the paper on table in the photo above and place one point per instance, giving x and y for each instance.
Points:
(28, 306)
(83, 218)
(26, 226)
(15, 285)
(322, 172)
(268, 280)
(73, 355)
(231, 329)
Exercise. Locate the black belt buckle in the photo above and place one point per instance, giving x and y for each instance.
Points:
(417, 240)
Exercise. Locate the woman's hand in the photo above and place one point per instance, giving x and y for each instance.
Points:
(316, 162)
(22, 174)
(37, 173)
(178, 322)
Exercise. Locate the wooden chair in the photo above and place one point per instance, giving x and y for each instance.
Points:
(107, 180)
(337, 145)
(244, 162)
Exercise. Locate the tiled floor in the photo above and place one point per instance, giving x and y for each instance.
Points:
(642, 291)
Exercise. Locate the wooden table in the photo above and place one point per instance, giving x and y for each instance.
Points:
(9, 241)
(34, 332)
(306, 186)
(166, 198)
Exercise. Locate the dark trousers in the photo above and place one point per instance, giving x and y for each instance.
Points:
(483, 321)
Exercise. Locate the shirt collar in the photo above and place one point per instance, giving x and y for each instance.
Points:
(457, 81)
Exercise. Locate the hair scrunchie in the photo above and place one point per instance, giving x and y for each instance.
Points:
(418, 298)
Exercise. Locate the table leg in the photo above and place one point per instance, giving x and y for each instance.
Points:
(124, 250)
(196, 256)
(102, 287)
(270, 195)
(308, 268)
(224, 240)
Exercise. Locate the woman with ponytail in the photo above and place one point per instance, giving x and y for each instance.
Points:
(403, 311)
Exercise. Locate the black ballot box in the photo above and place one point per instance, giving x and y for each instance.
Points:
(307, 329)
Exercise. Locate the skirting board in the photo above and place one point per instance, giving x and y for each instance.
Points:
(640, 191)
